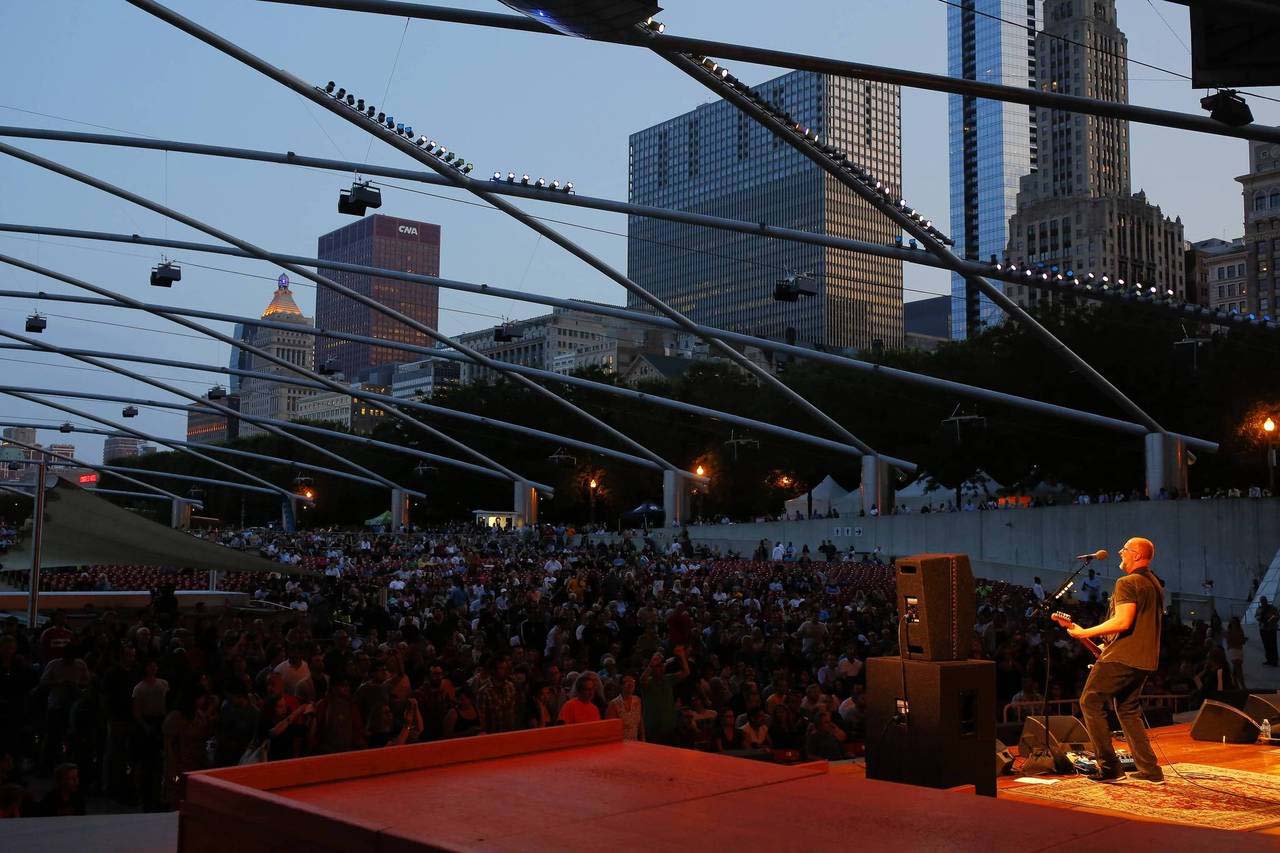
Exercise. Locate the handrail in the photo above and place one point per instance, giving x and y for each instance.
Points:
(1035, 708)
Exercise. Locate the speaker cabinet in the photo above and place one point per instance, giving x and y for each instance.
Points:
(935, 598)
(947, 736)
(1066, 734)
(1264, 706)
(1220, 723)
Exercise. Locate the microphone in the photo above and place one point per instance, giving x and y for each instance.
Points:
(1096, 555)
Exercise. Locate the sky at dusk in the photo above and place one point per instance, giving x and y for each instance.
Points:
(508, 101)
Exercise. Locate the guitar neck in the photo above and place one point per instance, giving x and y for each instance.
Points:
(1093, 647)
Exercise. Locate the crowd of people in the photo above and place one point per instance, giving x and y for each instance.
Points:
(390, 639)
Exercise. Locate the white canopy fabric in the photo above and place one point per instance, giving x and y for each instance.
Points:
(824, 495)
(926, 491)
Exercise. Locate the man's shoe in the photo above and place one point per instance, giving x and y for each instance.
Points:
(1147, 778)
(1107, 776)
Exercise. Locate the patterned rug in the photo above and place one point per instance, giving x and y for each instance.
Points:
(1195, 794)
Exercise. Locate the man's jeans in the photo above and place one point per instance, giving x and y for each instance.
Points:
(1123, 684)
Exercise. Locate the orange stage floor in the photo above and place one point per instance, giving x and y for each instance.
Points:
(582, 787)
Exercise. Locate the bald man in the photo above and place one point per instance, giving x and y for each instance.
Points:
(1132, 652)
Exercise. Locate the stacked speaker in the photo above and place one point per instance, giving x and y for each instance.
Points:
(931, 711)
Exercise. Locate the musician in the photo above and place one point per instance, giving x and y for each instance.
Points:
(1132, 652)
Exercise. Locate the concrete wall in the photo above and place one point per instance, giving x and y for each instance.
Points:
(1229, 541)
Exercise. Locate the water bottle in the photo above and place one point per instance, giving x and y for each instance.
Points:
(1266, 728)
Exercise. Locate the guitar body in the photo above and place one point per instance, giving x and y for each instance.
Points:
(1064, 621)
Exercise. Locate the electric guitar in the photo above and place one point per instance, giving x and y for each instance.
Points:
(1064, 621)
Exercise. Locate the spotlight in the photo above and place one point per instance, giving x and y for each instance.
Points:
(1227, 107)
(506, 333)
(329, 87)
(165, 274)
(422, 140)
(1120, 282)
(555, 185)
(568, 187)
(525, 180)
(369, 112)
(217, 392)
(342, 93)
(359, 198)
(382, 117)
(66, 427)
(497, 176)
(448, 158)
(328, 368)
(399, 128)
(36, 324)
(351, 100)
(360, 104)
(466, 170)
(655, 26)
(129, 412)
(408, 130)
(541, 184)
(391, 123)
(511, 177)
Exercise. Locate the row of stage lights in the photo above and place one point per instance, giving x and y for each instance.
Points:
(540, 183)
(363, 194)
(1115, 288)
(838, 155)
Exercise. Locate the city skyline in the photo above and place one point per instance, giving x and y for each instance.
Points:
(554, 120)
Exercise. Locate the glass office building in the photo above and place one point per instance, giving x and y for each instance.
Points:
(378, 241)
(715, 160)
(992, 143)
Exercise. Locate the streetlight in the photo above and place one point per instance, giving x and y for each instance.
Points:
(1269, 428)
(700, 471)
(592, 486)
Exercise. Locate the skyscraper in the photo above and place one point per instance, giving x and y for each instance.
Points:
(992, 143)
(260, 397)
(1261, 191)
(716, 160)
(1077, 212)
(379, 241)
(120, 445)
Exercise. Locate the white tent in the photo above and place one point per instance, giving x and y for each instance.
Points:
(926, 491)
(824, 495)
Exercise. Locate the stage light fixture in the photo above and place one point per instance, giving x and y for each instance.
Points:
(217, 392)
(329, 87)
(342, 93)
(129, 412)
(1228, 107)
(165, 274)
(568, 187)
(351, 100)
(525, 180)
(36, 324)
(511, 177)
(497, 176)
(357, 200)
(66, 427)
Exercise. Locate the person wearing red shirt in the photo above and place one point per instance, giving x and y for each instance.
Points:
(582, 707)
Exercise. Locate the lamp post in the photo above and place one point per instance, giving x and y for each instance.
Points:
(1269, 432)
(591, 488)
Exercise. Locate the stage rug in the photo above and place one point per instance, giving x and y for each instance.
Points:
(1194, 794)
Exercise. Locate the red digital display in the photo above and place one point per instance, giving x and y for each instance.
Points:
(88, 479)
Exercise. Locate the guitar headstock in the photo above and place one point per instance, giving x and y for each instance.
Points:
(1063, 619)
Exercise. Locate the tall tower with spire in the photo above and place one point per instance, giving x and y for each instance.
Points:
(261, 397)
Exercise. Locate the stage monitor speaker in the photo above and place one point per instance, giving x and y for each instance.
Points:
(1220, 723)
(1066, 734)
(1263, 706)
(935, 598)
(1004, 759)
(947, 736)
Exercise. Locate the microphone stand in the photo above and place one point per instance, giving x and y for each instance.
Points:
(1042, 761)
